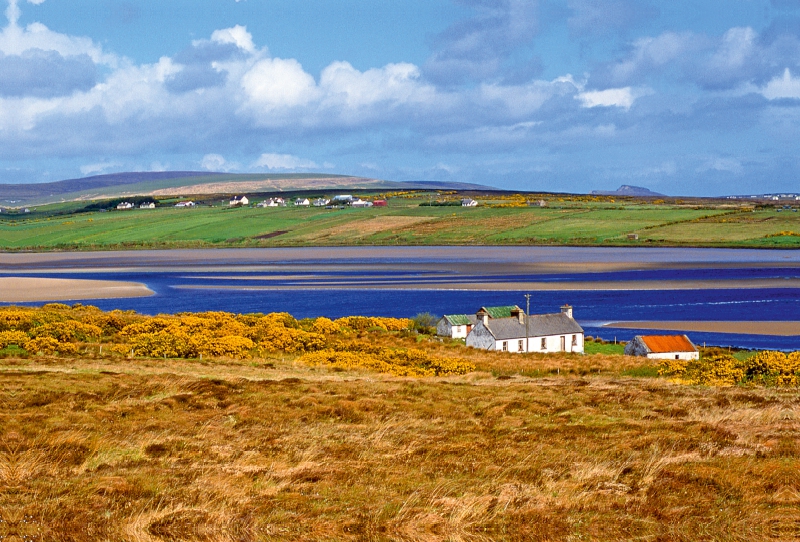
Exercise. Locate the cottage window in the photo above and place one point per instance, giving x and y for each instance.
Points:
(677, 356)
(544, 343)
(505, 346)
(519, 346)
(574, 340)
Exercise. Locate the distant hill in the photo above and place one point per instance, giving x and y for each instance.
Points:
(184, 183)
(628, 190)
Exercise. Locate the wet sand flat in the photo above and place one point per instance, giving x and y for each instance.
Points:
(784, 329)
(27, 289)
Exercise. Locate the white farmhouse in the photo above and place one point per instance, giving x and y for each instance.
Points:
(544, 333)
(467, 202)
(360, 203)
(456, 326)
(185, 204)
(237, 201)
(662, 347)
(147, 205)
(302, 202)
(124, 205)
(321, 202)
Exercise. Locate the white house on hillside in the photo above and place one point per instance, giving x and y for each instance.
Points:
(239, 200)
(185, 204)
(662, 347)
(124, 205)
(467, 202)
(544, 333)
(302, 202)
(147, 205)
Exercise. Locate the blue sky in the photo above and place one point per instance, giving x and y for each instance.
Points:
(694, 98)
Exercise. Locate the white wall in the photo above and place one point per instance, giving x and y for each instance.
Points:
(672, 355)
(552, 344)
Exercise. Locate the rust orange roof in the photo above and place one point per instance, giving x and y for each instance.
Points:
(668, 343)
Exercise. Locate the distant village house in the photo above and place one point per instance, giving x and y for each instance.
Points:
(147, 205)
(185, 204)
(360, 203)
(302, 202)
(662, 347)
(124, 205)
(321, 202)
(467, 202)
(239, 201)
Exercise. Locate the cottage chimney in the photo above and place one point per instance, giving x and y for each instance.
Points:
(520, 315)
(566, 309)
(485, 319)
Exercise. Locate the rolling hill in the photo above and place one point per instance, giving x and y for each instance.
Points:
(180, 183)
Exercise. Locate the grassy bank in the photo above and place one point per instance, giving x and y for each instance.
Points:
(571, 221)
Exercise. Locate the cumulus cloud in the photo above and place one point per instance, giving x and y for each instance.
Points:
(612, 97)
(785, 86)
(717, 163)
(45, 73)
(283, 162)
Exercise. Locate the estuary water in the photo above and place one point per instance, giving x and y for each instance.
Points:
(610, 285)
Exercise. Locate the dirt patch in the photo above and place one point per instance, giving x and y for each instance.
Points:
(372, 225)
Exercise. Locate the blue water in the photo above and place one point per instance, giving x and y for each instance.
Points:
(591, 308)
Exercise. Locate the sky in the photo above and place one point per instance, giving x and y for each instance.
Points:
(682, 97)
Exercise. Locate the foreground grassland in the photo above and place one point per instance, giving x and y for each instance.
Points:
(572, 221)
(274, 450)
(214, 426)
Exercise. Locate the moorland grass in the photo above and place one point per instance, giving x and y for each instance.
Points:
(269, 449)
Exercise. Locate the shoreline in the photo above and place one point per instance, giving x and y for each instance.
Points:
(32, 290)
(774, 328)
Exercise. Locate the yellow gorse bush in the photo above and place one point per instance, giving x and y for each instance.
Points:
(768, 368)
(396, 361)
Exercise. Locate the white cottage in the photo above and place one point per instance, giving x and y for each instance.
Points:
(662, 347)
(456, 326)
(302, 202)
(239, 201)
(544, 333)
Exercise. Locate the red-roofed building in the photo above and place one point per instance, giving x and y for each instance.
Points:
(662, 347)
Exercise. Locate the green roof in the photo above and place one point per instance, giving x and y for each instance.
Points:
(458, 319)
(500, 312)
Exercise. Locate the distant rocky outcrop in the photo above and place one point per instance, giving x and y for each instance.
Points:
(628, 190)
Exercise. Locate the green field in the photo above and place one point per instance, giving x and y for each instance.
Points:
(569, 221)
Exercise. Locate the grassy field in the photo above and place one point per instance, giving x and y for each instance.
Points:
(573, 221)
(147, 450)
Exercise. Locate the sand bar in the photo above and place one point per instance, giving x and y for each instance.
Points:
(785, 329)
(27, 289)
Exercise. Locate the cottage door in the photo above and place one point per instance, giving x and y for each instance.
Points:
(563, 343)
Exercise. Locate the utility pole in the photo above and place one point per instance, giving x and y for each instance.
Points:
(527, 322)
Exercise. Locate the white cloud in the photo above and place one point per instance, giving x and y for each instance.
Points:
(785, 86)
(612, 97)
(237, 35)
(276, 83)
(283, 161)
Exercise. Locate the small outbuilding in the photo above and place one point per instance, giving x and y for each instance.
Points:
(662, 347)
(456, 326)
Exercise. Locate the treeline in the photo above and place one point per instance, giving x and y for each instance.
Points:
(61, 330)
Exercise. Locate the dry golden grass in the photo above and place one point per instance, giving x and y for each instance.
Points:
(147, 450)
